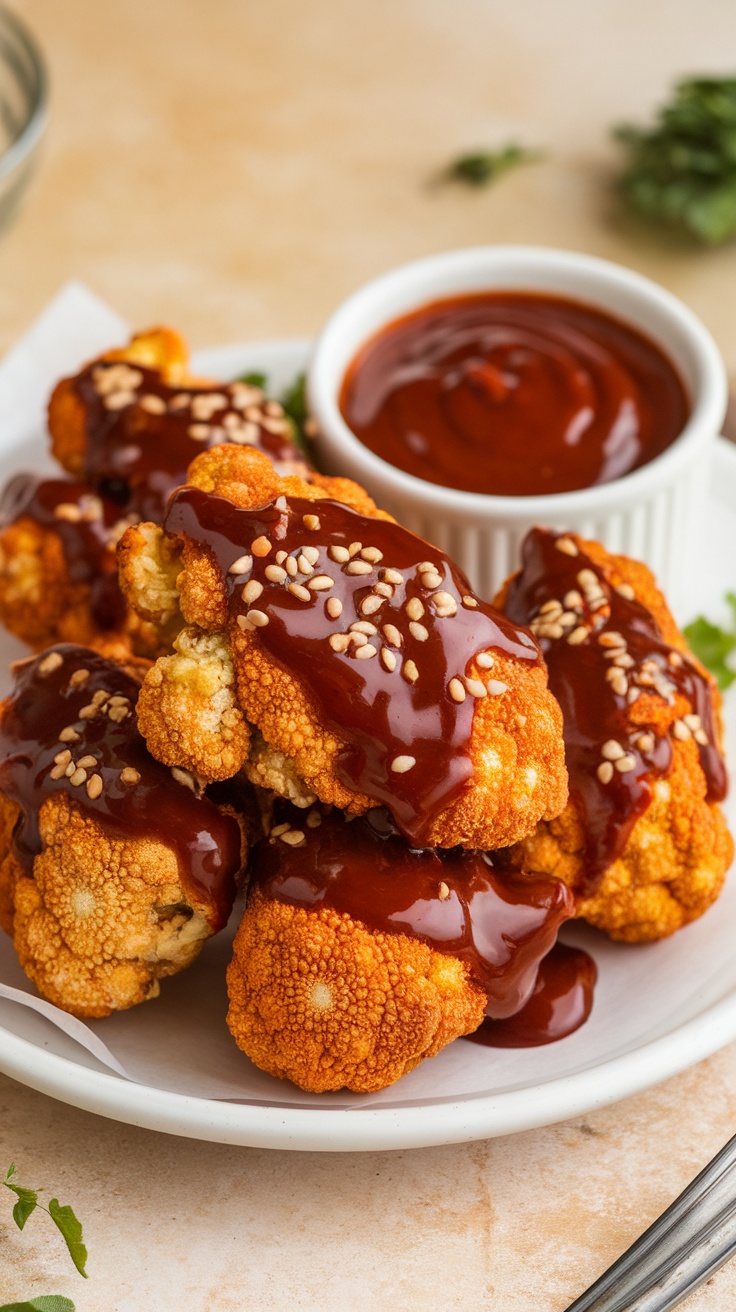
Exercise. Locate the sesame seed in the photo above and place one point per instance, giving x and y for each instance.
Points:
(566, 546)
(383, 590)
(321, 583)
(496, 687)
(311, 522)
(339, 641)
(69, 735)
(619, 684)
(573, 599)
(414, 608)
(78, 678)
(578, 635)
(281, 557)
(78, 777)
(470, 601)
(701, 737)
(118, 700)
(475, 687)
(425, 565)
(129, 776)
(626, 590)
(100, 697)
(261, 546)
(550, 608)
(358, 639)
(410, 671)
(311, 554)
(244, 623)
(50, 663)
(252, 591)
(314, 820)
(401, 764)
(625, 763)
(354, 548)
(445, 604)
(611, 640)
(180, 401)
(605, 772)
(294, 837)
(553, 631)
(389, 660)
(297, 590)
(86, 762)
(444, 891)
(484, 660)
(275, 574)
(363, 626)
(305, 566)
(681, 730)
(587, 579)
(69, 769)
(392, 635)
(199, 432)
(67, 511)
(278, 830)
(259, 618)
(393, 576)
(431, 579)
(372, 554)
(623, 660)
(94, 786)
(418, 631)
(456, 690)
(340, 554)
(292, 569)
(63, 757)
(242, 565)
(612, 750)
(645, 742)
(153, 405)
(58, 772)
(334, 607)
(89, 712)
(365, 652)
(183, 777)
(118, 400)
(359, 567)
(633, 695)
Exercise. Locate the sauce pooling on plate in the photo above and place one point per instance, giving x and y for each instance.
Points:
(382, 638)
(70, 726)
(514, 394)
(499, 925)
(560, 1002)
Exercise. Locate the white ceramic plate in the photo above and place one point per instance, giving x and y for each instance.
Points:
(658, 1008)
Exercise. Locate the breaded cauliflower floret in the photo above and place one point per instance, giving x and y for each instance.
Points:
(39, 603)
(673, 862)
(10, 870)
(102, 919)
(318, 999)
(515, 743)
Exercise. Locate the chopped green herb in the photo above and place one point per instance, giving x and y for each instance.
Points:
(44, 1303)
(713, 645)
(63, 1218)
(480, 167)
(682, 170)
(254, 380)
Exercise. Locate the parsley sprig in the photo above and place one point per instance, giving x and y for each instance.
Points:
(682, 170)
(480, 167)
(713, 645)
(44, 1303)
(63, 1218)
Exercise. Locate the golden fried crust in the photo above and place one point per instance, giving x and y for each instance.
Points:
(102, 919)
(673, 865)
(157, 348)
(9, 867)
(318, 999)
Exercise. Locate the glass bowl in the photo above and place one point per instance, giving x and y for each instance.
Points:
(23, 112)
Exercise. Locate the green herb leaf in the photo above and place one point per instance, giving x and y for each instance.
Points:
(713, 645)
(44, 1303)
(71, 1229)
(25, 1206)
(480, 167)
(254, 380)
(11, 1172)
(682, 170)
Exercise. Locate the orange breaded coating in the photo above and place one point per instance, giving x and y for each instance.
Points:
(515, 774)
(651, 857)
(113, 869)
(318, 999)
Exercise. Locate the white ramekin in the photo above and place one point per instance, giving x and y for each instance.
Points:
(649, 514)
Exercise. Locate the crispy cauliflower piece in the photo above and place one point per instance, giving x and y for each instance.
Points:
(9, 867)
(318, 999)
(673, 863)
(516, 747)
(102, 919)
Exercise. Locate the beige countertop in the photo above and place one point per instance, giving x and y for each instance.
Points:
(235, 168)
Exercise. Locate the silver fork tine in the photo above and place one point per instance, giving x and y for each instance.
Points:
(680, 1250)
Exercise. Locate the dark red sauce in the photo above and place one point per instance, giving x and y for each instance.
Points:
(87, 526)
(142, 433)
(595, 709)
(374, 703)
(560, 1002)
(47, 699)
(500, 925)
(513, 393)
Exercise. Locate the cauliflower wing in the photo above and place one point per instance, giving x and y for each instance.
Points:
(512, 757)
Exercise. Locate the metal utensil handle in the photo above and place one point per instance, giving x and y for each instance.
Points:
(680, 1250)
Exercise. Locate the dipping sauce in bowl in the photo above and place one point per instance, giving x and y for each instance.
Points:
(513, 393)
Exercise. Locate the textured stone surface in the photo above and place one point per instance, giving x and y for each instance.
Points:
(236, 168)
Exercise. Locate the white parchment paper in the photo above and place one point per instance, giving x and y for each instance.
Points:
(180, 1041)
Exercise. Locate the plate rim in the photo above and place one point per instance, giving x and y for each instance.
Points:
(367, 1129)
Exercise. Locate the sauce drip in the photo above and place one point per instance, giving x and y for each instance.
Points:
(500, 925)
(392, 706)
(560, 1002)
(611, 625)
(49, 696)
(142, 433)
(88, 526)
(513, 393)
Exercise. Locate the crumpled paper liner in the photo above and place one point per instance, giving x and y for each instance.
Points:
(180, 1041)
